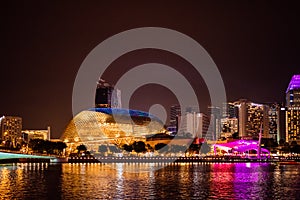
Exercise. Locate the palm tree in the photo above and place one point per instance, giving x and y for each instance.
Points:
(139, 147)
(81, 148)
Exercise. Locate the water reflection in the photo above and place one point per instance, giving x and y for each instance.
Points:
(179, 181)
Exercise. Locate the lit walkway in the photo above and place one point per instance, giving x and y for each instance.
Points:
(10, 155)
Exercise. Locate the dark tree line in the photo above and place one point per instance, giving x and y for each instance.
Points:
(137, 146)
(41, 146)
(141, 147)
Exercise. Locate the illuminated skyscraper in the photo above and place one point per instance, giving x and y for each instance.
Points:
(10, 130)
(275, 121)
(194, 123)
(229, 121)
(250, 117)
(107, 96)
(215, 122)
(229, 110)
(293, 110)
(175, 112)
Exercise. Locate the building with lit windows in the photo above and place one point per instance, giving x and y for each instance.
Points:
(28, 135)
(274, 121)
(293, 110)
(194, 124)
(175, 112)
(250, 118)
(229, 110)
(229, 120)
(11, 131)
(215, 122)
(107, 96)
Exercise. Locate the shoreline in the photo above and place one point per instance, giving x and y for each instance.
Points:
(288, 160)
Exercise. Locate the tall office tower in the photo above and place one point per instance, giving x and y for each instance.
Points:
(274, 120)
(203, 127)
(189, 124)
(282, 123)
(175, 112)
(107, 96)
(293, 110)
(229, 110)
(215, 122)
(11, 131)
(251, 117)
(194, 123)
(229, 121)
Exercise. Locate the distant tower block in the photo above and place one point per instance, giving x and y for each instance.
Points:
(107, 96)
(293, 110)
(175, 113)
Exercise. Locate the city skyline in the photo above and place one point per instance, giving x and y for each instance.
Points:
(253, 44)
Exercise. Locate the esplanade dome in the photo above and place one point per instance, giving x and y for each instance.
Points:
(103, 124)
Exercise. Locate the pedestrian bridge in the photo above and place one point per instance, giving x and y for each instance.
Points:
(11, 155)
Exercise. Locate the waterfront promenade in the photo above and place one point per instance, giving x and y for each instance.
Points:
(219, 159)
(9, 157)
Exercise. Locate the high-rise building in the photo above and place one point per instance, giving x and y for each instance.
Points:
(194, 123)
(274, 121)
(107, 96)
(229, 110)
(11, 131)
(189, 120)
(203, 127)
(229, 121)
(250, 117)
(282, 124)
(215, 122)
(175, 112)
(293, 110)
(293, 92)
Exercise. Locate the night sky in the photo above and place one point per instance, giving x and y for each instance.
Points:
(255, 45)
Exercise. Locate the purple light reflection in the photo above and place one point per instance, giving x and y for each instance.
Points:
(239, 180)
(250, 178)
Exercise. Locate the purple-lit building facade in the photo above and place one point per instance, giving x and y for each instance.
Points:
(293, 110)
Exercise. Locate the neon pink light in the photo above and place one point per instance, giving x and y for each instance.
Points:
(241, 146)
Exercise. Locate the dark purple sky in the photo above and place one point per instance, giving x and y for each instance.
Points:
(255, 45)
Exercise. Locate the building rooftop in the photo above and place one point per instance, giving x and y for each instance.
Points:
(294, 83)
(124, 112)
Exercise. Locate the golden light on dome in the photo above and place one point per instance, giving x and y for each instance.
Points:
(95, 127)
